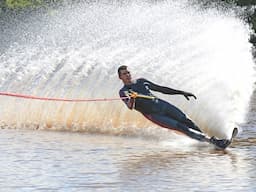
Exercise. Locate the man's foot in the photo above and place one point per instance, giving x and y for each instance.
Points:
(220, 143)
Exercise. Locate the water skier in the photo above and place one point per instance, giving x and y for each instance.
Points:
(136, 95)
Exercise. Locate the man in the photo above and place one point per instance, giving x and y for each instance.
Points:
(136, 95)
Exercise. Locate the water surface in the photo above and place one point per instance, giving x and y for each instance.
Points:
(34, 160)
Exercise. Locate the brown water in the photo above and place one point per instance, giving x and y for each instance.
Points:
(39, 160)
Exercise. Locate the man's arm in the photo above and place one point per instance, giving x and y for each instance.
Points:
(167, 90)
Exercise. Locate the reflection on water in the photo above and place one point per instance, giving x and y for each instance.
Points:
(63, 161)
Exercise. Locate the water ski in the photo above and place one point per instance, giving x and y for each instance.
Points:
(223, 143)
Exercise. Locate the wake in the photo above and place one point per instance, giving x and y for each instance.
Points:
(74, 52)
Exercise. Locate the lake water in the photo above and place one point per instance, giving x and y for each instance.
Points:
(39, 160)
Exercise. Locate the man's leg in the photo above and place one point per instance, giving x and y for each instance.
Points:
(176, 114)
(167, 122)
(191, 124)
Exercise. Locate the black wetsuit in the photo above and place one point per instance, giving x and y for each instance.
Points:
(158, 110)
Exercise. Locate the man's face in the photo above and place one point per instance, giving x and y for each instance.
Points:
(125, 76)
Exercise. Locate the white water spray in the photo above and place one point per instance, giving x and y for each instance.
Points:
(74, 53)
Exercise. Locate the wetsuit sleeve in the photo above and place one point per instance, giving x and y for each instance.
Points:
(162, 89)
(130, 102)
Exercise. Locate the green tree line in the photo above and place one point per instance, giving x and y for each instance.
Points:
(16, 4)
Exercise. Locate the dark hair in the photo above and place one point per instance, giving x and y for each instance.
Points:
(122, 67)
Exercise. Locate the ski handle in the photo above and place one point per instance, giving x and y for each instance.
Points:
(141, 96)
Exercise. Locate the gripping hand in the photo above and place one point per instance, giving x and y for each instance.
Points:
(133, 95)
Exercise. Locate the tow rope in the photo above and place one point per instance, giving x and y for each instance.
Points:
(58, 99)
(68, 100)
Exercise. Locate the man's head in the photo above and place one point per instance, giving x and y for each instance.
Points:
(124, 74)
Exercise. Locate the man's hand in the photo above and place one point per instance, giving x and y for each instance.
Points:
(187, 95)
(133, 95)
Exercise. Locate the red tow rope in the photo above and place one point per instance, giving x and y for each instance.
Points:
(57, 99)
